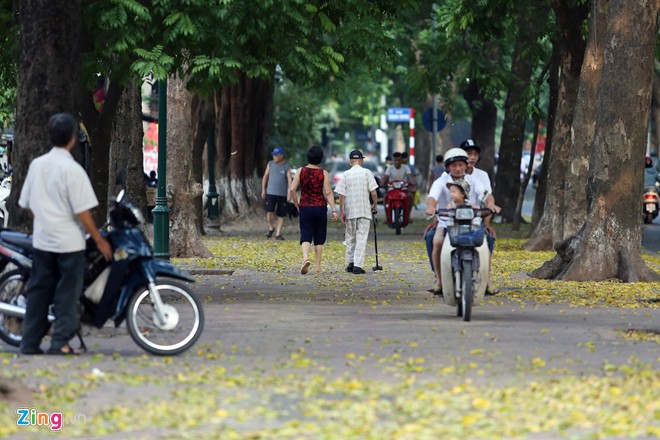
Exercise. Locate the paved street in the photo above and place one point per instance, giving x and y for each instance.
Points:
(274, 339)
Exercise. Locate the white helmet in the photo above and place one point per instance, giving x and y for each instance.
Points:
(455, 154)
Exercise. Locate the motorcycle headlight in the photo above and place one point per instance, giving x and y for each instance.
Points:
(464, 214)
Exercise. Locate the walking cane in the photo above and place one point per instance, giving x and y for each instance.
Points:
(377, 266)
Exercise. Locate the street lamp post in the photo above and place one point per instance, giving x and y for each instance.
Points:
(161, 211)
(212, 195)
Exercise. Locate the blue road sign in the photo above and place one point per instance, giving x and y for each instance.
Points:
(398, 114)
(427, 120)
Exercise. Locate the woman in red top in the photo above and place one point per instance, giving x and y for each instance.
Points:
(315, 194)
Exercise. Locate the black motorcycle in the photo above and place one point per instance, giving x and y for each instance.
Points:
(162, 315)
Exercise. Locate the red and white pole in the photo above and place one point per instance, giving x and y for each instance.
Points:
(412, 136)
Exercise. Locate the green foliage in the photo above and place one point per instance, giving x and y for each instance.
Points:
(8, 58)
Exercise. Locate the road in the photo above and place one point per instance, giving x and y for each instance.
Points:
(376, 356)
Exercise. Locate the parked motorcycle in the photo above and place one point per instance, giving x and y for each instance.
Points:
(396, 205)
(163, 316)
(650, 204)
(464, 259)
(5, 190)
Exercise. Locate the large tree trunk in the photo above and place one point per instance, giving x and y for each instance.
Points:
(609, 243)
(185, 240)
(583, 122)
(243, 118)
(126, 148)
(203, 114)
(48, 73)
(100, 127)
(550, 228)
(484, 123)
(655, 112)
(507, 181)
(553, 86)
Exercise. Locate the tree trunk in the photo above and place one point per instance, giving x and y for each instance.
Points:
(551, 226)
(100, 127)
(655, 114)
(126, 148)
(243, 118)
(507, 181)
(553, 85)
(185, 240)
(203, 114)
(517, 218)
(609, 243)
(583, 122)
(484, 123)
(48, 73)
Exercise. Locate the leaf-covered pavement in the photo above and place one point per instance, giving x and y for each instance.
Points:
(334, 355)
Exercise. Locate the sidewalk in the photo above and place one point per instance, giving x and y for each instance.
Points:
(342, 356)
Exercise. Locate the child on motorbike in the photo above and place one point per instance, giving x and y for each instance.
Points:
(458, 194)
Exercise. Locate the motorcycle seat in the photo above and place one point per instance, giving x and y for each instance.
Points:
(18, 239)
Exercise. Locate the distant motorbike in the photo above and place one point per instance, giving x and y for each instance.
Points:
(464, 259)
(396, 205)
(163, 316)
(650, 202)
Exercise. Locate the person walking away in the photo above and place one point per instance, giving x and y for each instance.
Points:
(59, 195)
(436, 171)
(315, 194)
(474, 152)
(355, 209)
(275, 187)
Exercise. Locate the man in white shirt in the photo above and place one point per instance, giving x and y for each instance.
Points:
(355, 209)
(59, 195)
(474, 151)
(456, 161)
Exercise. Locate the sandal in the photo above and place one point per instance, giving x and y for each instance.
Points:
(64, 350)
(305, 267)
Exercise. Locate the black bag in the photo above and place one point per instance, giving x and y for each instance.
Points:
(291, 210)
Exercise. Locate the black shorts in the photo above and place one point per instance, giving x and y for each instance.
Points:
(276, 204)
(313, 224)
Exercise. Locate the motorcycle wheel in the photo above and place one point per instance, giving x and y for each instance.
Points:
(184, 315)
(12, 285)
(398, 215)
(648, 217)
(467, 290)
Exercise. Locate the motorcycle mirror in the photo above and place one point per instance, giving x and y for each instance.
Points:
(120, 195)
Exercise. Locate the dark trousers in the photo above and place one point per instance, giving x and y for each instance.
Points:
(428, 238)
(56, 279)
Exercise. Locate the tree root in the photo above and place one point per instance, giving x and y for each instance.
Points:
(566, 265)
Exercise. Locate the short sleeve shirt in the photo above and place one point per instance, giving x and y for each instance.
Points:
(355, 185)
(398, 174)
(440, 193)
(56, 189)
(483, 177)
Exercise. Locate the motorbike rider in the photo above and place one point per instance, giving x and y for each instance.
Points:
(456, 162)
(400, 171)
(59, 194)
(474, 151)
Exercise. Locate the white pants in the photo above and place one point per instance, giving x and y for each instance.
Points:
(357, 233)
